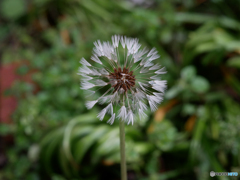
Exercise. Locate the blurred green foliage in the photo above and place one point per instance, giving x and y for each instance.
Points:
(196, 129)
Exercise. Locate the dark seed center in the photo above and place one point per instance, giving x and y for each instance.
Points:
(122, 80)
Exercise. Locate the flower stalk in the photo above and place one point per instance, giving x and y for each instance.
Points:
(122, 150)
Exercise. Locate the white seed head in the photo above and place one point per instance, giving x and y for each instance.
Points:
(102, 114)
(161, 71)
(87, 85)
(130, 118)
(84, 62)
(155, 67)
(90, 104)
(124, 77)
(96, 59)
(122, 113)
(111, 120)
(141, 113)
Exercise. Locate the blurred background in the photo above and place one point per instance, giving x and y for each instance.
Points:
(46, 133)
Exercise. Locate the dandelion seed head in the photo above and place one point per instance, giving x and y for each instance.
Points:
(123, 76)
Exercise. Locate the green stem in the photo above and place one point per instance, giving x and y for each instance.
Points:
(122, 150)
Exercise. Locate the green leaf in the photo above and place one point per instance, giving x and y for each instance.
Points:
(234, 62)
(64, 163)
(197, 137)
(73, 132)
(197, 38)
(213, 57)
(5, 129)
(233, 46)
(109, 142)
(207, 47)
(197, 18)
(173, 92)
(184, 17)
(48, 147)
(96, 9)
(164, 135)
(86, 118)
(13, 9)
(188, 72)
(85, 143)
(200, 84)
(188, 109)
